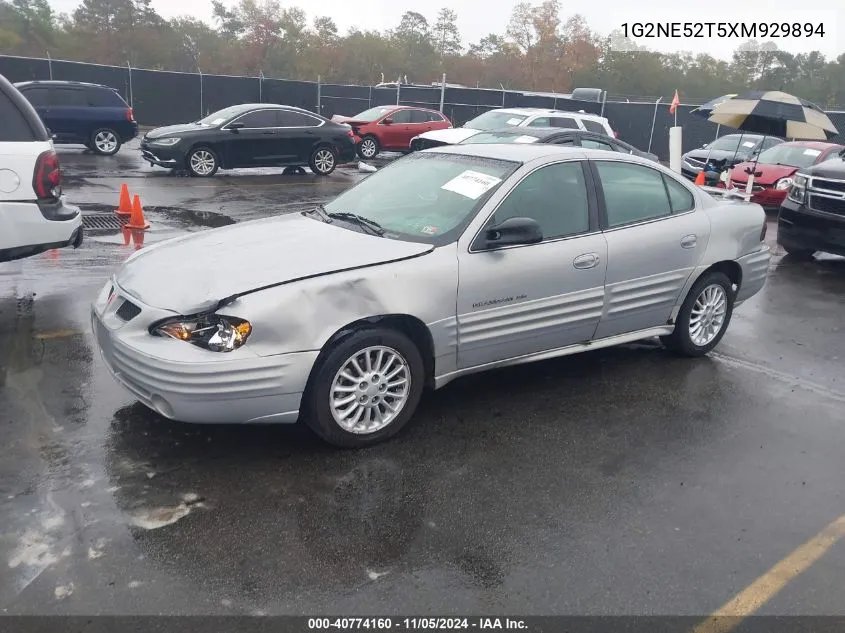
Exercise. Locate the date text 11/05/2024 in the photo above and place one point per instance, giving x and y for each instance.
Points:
(412, 624)
(723, 29)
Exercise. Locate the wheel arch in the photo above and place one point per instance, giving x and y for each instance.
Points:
(409, 325)
(731, 269)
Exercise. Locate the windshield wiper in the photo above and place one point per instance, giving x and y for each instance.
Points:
(366, 223)
(321, 210)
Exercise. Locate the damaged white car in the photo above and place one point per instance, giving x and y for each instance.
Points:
(446, 262)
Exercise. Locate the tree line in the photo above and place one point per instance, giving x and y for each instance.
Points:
(540, 50)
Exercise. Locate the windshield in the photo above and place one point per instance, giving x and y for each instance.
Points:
(425, 197)
(372, 114)
(498, 137)
(216, 118)
(495, 119)
(794, 155)
(733, 143)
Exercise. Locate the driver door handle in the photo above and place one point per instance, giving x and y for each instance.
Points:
(588, 260)
(689, 241)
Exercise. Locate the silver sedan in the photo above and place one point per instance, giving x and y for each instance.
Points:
(446, 262)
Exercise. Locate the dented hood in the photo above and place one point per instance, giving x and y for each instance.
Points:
(193, 273)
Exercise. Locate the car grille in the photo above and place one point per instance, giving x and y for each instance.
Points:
(743, 185)
(128, 311)
(695, 162)
(829, 185)
(827, 205)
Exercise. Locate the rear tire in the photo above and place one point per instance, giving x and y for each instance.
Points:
(323, 160)
(104, 141)
(385, 401)
(704, 316)
(368, 148)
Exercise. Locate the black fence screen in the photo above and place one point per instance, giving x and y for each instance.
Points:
(165, 98)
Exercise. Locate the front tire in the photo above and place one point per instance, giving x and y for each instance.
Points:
(104, 142)
(202, 162)
(368, 148)
(704, 316)
(366, 389)
(323, 161)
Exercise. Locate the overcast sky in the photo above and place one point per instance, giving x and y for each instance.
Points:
(476, 18)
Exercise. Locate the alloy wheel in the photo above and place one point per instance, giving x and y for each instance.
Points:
(105, 141)
(368, 148)
(202, 162)
(708, 315)
(370, 390)
(324, 161)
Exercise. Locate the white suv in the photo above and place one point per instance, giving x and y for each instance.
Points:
(501, 118)
(33, 215)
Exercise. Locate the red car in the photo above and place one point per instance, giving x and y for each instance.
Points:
(391, 127)
(777, 165)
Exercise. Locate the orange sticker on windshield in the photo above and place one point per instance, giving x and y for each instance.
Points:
(430, 230)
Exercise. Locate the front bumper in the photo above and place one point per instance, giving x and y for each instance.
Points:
(800, 228)
(161, 156)
(188, 384)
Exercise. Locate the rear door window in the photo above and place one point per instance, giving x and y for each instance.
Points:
(289, 118)
(419, 116)
(565, 121)
(14, 127)
(39, 97)
(68, 97)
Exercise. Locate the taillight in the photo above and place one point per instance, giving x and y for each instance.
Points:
(130, 114)
(47, 178)
(350, 134)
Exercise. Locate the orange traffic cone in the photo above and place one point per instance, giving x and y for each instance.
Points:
(124, 206)
(700, 180)
(137, 220)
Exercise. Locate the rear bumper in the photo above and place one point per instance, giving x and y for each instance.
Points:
(755, 271)
(29, 228)
(800, 229)
(127, 133)
(346, 153)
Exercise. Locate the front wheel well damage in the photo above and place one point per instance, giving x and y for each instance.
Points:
(408, 325)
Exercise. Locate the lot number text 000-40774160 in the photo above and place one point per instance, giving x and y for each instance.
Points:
(722, 29)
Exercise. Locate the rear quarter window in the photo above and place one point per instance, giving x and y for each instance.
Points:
(14, 128)
(103, 98)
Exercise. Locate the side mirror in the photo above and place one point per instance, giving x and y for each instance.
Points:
(512, 231)
(387, 121)
(234, 127)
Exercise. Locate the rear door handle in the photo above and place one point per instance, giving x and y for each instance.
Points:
(689, 241)
(588, 260)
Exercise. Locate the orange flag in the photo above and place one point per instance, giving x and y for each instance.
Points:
(675, 103)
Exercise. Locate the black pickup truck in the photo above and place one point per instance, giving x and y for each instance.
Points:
(812, 217)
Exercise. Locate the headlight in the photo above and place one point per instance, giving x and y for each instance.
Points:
(212, 332)
(798, 188)
(166, 141)
(783, 183)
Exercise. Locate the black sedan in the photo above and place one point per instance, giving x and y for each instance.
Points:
(558, 136)
(251, 135)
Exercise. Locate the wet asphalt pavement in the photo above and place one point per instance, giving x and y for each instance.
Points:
(622, 481)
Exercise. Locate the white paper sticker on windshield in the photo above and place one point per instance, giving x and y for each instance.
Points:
(525, 139)
(513, 121)
(471, 184)
(812, 152)
(748, 144)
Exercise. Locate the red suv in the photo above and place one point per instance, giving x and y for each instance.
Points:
(391, 127)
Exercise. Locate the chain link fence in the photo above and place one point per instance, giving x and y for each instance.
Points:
(166, 98)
